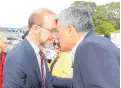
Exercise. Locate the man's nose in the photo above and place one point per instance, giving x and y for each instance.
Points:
(54, 36)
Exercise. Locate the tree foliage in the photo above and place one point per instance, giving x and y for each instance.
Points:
(90, 5)
(106, 18)
(113, 12)
(109, 12)
(105, 29)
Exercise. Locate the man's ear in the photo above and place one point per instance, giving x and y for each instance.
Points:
(71, 30)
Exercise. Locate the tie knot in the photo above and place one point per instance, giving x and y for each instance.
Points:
(41, 53)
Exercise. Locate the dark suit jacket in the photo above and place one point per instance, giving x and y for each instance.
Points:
(96, 63)
(22, 70)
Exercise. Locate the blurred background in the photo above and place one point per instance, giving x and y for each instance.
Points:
(14, 16)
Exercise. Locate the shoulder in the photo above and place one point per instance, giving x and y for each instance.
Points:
(87, 44)
(92, 46)
(16, 54)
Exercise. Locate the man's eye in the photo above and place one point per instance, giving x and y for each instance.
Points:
(55, 31)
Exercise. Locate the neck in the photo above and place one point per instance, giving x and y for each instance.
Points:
(77, 37)
(34, 40)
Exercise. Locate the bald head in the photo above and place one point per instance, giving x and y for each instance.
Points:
(39, 16)
(41, 24)
(3, 43)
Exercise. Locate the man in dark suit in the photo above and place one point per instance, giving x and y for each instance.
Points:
(25, 65)
(96, 59)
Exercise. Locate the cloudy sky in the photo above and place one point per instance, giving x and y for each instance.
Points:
(15, 13)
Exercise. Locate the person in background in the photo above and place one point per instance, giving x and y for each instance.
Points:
(96, 58)
(3, 46)
(61, 64)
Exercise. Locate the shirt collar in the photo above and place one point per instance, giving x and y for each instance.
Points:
(75, 47)
(36, 49)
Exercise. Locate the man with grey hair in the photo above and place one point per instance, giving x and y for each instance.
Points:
(95, 58)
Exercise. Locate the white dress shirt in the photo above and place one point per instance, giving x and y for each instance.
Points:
(73, 51)
(75, 47)
(36, 50)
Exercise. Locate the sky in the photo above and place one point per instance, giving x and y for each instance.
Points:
(15, 13)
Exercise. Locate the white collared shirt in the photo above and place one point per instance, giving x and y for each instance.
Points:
(75, 47)
(36, 50)
(73, 51)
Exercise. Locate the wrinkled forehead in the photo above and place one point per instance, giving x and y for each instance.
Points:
(49, 21)
(58, 24)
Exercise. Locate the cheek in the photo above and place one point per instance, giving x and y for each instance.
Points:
(4, 46)
(45, 35)
(49, 34)
(62, 39)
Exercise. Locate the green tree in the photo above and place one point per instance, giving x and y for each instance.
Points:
(109, 12)
(105, 29)
(90, 5)
(113, 12)
(99, 15)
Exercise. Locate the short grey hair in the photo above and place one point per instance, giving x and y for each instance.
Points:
(80, 18)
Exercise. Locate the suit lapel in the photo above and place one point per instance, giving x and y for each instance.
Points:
(34, 61)
(32, 56)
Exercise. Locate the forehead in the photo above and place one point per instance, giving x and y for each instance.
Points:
(62, 28)
(49, 21)
(59, 24)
